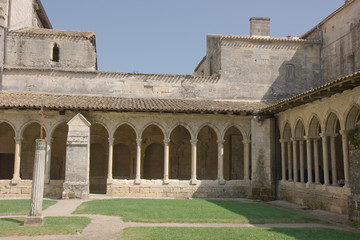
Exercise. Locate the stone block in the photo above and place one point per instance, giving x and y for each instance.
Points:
(34, 221)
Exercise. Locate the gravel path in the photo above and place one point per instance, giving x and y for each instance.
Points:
(109, 227)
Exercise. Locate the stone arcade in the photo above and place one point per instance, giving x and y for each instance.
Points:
(261, 117)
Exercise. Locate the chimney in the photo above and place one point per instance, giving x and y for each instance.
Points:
(259, 27)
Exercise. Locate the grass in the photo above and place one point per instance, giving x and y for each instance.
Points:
(19, 206)
(162, 233)
(190, 211)
(53, 225)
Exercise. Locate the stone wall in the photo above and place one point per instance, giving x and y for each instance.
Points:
(178, 189)
(23, 189)
(22, 14)
(333, 199)
(354, 198)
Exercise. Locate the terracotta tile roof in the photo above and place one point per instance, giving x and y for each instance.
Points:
(43, 32)
(337, 86)
(268, 39)
(99, 103)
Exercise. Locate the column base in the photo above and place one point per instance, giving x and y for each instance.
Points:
(109, 181)
(222, 181)
(34, 221)
(166, 181)
(137, 181)
(193, 181)
(15, 181)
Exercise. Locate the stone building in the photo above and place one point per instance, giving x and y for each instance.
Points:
(261, 117)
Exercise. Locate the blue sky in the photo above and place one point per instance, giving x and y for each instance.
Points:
(169, 36)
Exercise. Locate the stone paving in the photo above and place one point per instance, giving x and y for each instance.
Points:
(110, 227)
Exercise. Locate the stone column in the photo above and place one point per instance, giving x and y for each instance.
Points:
(302, 170)
(316, 161)
(345, 146)
(37, 191)
(16, 176)
(324, 138)
(138, 161)
(295, 165)
(193, 161)
(283, 165)
(221, 162)
(289, 160)
(110, 163)
(166, 160)
(333, 160)
(309, 159)
(246, 159)
(48, 159)
(77, 172)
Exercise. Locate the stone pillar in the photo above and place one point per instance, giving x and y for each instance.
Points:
(16, 176)
(193, 161)
(76, 183)
(221, 162)
(295, 165)
(283, 165)
(309, 159)
(316, 161)
(246, 159)
(302, 169)
(166, 160)
(345, 146)
(288, 143)
(263, 149)
(324, 138)
(333, 160)
(138, 160)
(110, 163)
(35, 217)
(48, 159)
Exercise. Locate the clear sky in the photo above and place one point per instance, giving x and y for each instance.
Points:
(169, 36)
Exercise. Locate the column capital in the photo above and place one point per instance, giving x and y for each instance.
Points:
(166, 140)
(324, 135)
(49, 140)
(343, 132)
(111, 140)
(246, 141)
(220, 141)
(138, 141)
(194, 141)
(18, 139)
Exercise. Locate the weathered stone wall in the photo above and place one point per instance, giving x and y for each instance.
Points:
(333, 199)
(23, 189)
(269, 70)
(179, 189)
(36, 52)
(22, 14)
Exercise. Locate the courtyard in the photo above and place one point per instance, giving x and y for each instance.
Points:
(110, 218)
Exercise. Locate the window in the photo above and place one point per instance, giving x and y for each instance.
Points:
(55, 53)
(290, 71)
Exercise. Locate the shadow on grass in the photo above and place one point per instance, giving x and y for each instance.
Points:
(12, 220)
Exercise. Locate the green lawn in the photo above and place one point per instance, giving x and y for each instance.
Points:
(191, 211)
(19, 206)
(52, 226)
(159, 233)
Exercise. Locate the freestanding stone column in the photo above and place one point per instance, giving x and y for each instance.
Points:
(316, 160)
(289, 160)
(166, 160)
(345, 146)
(16, 176)
(138, 161)
(110, 160)
(302, 168)
(309, 159)
(324, 138)
(48, 159)
(295, 165)
(76, 183)
(221, 162)
(193, 161)
(35, 217)
(283, 166)
(333, 160)
(246, 159)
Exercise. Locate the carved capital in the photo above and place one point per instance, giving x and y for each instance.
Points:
(111, 141)
(166, 141)
(194, 141)
(138, 141)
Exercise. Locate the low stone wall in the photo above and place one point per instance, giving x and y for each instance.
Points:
(329, 198)
(23, 189)
(179, 189)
